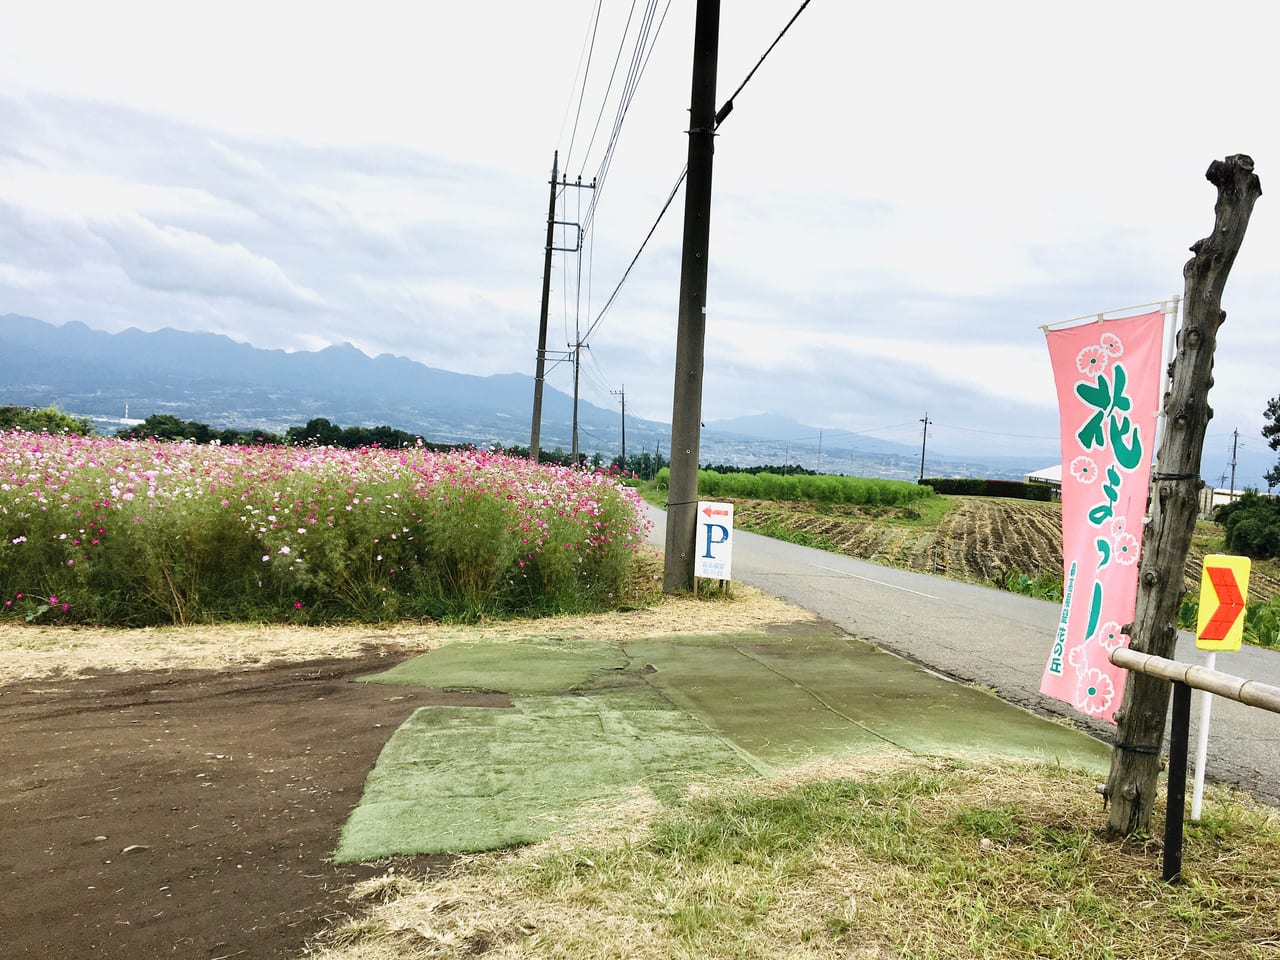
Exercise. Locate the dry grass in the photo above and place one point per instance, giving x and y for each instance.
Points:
(30, 652)
(936, 859)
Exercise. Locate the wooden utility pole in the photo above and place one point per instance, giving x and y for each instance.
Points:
(623, 394)
(924, 438)
(1135, 761)
(541, 375)
(686, 412)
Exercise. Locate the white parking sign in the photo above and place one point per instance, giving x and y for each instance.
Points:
(714, 546)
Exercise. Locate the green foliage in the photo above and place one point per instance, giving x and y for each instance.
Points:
(1042, 586)
(46, 419)
(978, 487)
(1262, 623)
(810, 487)
(320, 432)
(165, 426)
(1251, 525)
(1272, 432)
(1261, 620)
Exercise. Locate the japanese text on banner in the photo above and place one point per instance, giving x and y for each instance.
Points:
(1107, 377)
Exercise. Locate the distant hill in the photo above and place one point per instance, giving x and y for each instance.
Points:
(213, 379)
(216, 380)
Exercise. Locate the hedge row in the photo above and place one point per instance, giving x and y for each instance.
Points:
(978, 487)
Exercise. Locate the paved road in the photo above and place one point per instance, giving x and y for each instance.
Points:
(992, 638)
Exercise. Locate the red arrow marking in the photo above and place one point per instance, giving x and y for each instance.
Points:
(1230, 603)
(715, 513)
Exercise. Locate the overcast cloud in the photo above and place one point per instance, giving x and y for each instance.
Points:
(903, 193)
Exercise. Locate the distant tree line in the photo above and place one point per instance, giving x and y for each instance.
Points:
(785, 470)
(978, 487)
(318, 431)
(44, 419)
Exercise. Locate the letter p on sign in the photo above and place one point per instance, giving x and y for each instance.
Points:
(714, 559)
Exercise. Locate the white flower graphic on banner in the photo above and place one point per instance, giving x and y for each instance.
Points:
(1095, 693)
(1111, 344)
(1091, 361)
(1084, 469)
(1111, 637)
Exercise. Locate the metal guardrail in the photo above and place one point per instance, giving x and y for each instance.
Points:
(1185, 677)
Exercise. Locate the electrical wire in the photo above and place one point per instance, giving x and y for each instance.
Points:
(661, 213)
(727, 108)
(641, 53)
(990, 433)
(582, 93)
(604, 101)
(721, 114)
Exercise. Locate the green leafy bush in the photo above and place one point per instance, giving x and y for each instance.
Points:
(1251, 526)
(808, 487)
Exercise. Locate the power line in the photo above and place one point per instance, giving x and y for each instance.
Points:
(992, 433)
(720, 116)
(727, 108)
(604, 101)
(661, 213)
(582, 93)
(639, 61)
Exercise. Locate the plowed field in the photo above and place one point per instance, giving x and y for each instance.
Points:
(979, 540)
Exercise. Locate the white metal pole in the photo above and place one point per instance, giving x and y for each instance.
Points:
(1202, 747)
(1171, 310)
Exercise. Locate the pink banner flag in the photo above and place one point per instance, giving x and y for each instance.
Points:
(1108, 381)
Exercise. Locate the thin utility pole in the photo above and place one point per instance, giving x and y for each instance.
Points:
(1235, 443)
(541, 375)
(686, 413)
(623, 394)
(923, 439)
(577, 366)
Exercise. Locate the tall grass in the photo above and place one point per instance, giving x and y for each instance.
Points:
(96, 530)
(815, 488)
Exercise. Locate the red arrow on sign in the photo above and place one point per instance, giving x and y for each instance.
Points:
(1230, 603)
(715, 513)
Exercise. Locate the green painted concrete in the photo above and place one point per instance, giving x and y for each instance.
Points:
(594, 721)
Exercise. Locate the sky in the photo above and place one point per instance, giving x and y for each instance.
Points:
(903, 193)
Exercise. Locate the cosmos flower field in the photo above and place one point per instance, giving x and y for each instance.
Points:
(105, 531)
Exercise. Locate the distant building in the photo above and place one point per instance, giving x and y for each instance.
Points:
(1211, 498)
(1048, 475)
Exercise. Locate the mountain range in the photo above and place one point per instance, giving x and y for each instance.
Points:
(115, 379)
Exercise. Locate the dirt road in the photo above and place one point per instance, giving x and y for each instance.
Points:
(186, 813)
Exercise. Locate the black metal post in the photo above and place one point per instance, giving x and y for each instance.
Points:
(1175, 810)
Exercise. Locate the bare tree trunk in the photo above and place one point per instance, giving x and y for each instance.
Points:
(1135, 761)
